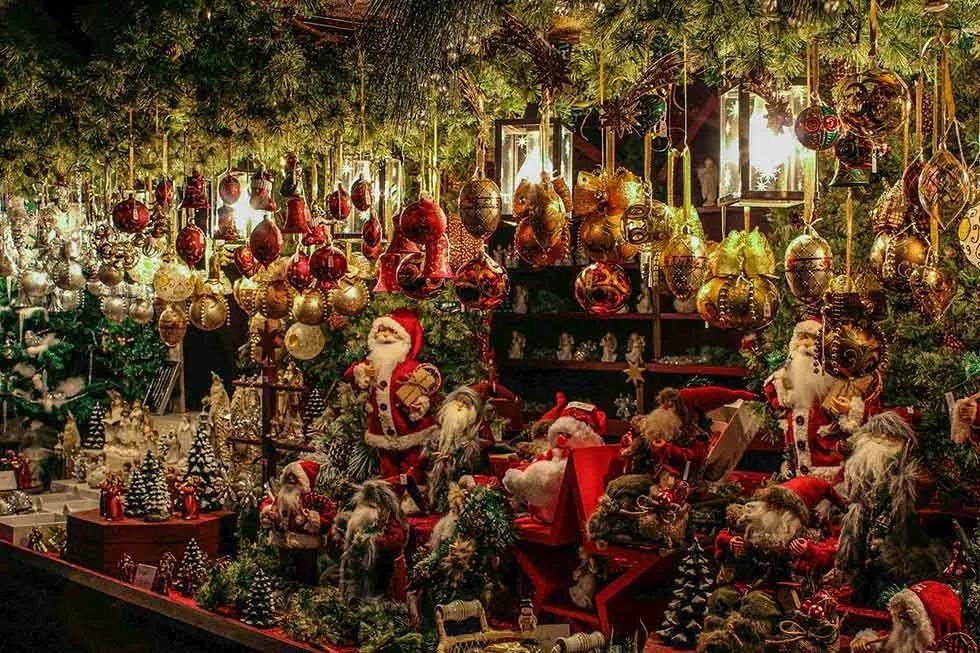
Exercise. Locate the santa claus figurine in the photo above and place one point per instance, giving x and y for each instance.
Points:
(401, 391)
(370, 537)
(923, 616)
(297, 517)
(816, 424)
(774, 532)
(573, 424)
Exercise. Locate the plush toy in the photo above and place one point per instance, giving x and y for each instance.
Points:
(586, 577)
(923, 615)
(456, 446)
(297, 517)
(572, 424)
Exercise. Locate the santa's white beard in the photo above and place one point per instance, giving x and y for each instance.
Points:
(362, 519)
(808, 385)
(907, 639)
(661, 424)
(538, 485)
(385, 355)
(455, 424)
(868, 464)
(768, 527)
(289, 500)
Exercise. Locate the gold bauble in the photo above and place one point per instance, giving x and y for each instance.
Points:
(853, 350)
(933, 288)
(623, 190)
(246, 293)
(889, 211)
(310, 307)
(360, 266)
(603, 236)
(684, 263)
(141, 311)
(114, 307)
(748, 303)
(708, 301)
(944, 187)
(872, 293)
(208, 311)
(68, 275)
(266, 338)
(35, 283)
(809, 267)
(873, 103)
(899, 256)
(479, 206)
(304, 341)
(727, 258)
(275, 298)
(173, 281)
(758, 258)
(349, 297)
(172, 325)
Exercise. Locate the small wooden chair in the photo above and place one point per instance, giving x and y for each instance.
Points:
(467, 642)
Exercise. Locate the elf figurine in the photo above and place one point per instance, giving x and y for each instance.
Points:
(190, 507)
(110, 498)
(401, 392)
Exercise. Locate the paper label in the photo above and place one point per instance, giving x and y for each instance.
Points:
(145, 575)
(8, 481)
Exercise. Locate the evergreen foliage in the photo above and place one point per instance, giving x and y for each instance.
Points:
(95, 435)
(684, 617)
(193, 569)
(258, 610)
(158, 501)
(202, 462)
(138, 491)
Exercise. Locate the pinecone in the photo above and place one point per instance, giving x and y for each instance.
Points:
(952, 342)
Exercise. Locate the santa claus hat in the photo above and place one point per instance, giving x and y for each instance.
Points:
(802, 494)
(933, 607)
(404, 322)
(581, 423)
(706, 399)
(305, 472)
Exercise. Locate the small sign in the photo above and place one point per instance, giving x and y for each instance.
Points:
(8, 481)
(145, 576)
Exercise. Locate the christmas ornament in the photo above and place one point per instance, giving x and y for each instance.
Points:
(304, 341)
(163, 194)
(480, 206)
(191, 244)
(141, 310)
(230, 189)
(602, 288)
(388, 262)
(542, 236)
(463, 246)
(349, 297)
(298, 271)
(245, 260)
(208, 311)
(481, 283)
(266, 241)
(684, 263)
(195, 192)
(873, 103)
(362, 194)
(601, 201)
(267, 338)
(339, 204)
(933, 289)
(889, 213)
(809, 267)
(894, 257)
(944, 187)
(246, 293)
(817, 127)
(968, 233)
(109, 275)
(226, 224)
(37, 283)
(173, 281)
(328, 264)
(371, 234)
(410, 279)
(297, 217)
(855, 156)
(130, 216)
(260, 195)
(71, 300)
(423, 221)
(318, 235)
(68, 275)
(910, 190)
(275, 297)
(437, 259)
(853, 346)
(709, 301)
(114, 307)
(292, 182)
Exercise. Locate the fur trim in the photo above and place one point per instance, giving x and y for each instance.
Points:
(906, 604)
(903, 490)
(851, 421)
(580, 434)
(537, 485)
(399, 442)
(296, 470)
(784, 395)
(889, 423)
(850, 542)
(390, 323)
(780, 497)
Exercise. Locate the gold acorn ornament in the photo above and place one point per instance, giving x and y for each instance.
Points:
(304, 341)
(684, 260)
(933, 288)
(310, 307)
(350, 297)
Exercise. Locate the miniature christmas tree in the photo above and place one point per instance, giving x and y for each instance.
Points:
(95, 437)
(684, 618)
(202, 462)
(81, 468)
(193, 570)
(158, 502)
(138, 491)
(258, 603)
(312, 411)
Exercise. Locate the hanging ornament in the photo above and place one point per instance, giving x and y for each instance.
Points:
(809, 267)
(968, 234)
(230, 189)
(298, 271)
(275, 297)
(71, 300)
(227, 229)
(349, 297)
(853, 346)
(423, 221)
(684, 262)
(944, 186)
(480, 206)
(328, 264)
(602, 288)
(339, 203)
(130, 216)
(173, 281)
(388, 262)
(855, 157)
(195, 192)
(362, 194)
(267, 338)
(817, 127)
(747, 303)
(266, 241)
(172, 325)
(437, 259)
(410, 279)
(309, 307)
(141, 310)
(889, 213)
(873, 103)
(463, 246)
(318, 235)
(739, 293)
(246, 293)
(542, 235)
(297, 216)
(933, 289)
(208, 311)
(164, 194)
(260, 195)
(292, 182)
(481, 283)
(35, 283)
(304, 342)
(110, 275)
(245, 260)
(894, 257)
(371, 237)
(191, 244)
(910, 192)
(68, 275)
(114, 307)
(601, 200)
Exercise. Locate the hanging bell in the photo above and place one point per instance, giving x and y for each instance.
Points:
(371, 237)
(195, 192)
(261, 198)
(297, 216)
(163, 194)
(387, 273)
(437, 260)
(292, 183)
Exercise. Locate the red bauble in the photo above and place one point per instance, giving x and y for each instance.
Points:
(298, 271)
(191, 244)
(362, 194)
(481, 283)
(266, 241)
(163, 194)
(411, 281)
(328, 264)
(602, 288)
(423, 221)
(130, 216)
(318, 235)
(245, 261)
(230, 189)
(371, 237)
(338, 204)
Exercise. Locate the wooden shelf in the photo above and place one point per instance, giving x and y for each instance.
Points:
(653, 368)
(699, 370)
(693, 317)
(284, 446)
(646, 317)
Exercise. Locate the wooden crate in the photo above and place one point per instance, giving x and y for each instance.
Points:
(98, 544)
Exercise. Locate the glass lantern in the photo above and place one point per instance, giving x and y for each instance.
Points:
(517, 155)
(245, 216)
(760, 165)
(392, 181)
(350, 171)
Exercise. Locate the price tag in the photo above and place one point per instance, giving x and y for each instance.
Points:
(145, 576)
(8, 481)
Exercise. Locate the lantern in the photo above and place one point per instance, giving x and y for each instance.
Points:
(517, 146)
(762, 162)
(243, 215)
(389, 191)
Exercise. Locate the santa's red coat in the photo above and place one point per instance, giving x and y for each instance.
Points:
(389, 426)
(822, 447)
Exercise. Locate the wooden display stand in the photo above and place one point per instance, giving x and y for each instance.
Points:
(98, 544)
